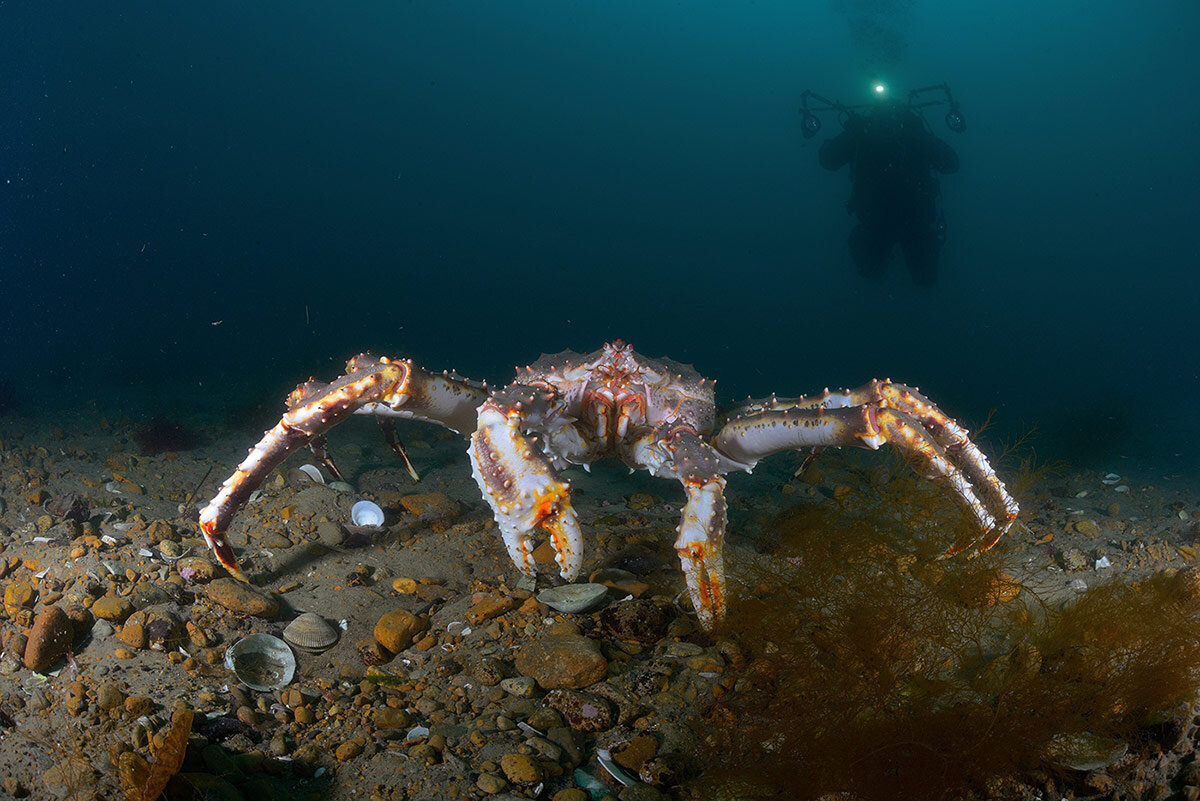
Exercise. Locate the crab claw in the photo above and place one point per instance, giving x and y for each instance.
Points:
(220, 547)
(699, 548)
(523, 491)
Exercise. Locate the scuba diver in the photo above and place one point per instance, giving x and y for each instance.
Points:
(894, 195)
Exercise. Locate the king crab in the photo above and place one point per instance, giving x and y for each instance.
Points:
(652, 414)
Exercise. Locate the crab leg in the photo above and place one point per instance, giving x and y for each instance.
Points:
(398, 386)
(520, 484)
(874, 414)
(702, 529)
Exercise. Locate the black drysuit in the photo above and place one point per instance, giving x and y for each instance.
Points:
(894, 195)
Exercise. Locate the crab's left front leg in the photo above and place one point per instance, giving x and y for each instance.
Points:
(678, 451)
(520, 483)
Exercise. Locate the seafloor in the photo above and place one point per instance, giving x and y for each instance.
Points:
(485, 692)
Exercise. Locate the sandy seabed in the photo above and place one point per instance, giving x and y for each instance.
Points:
(486, 692)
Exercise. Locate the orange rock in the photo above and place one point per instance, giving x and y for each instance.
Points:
(434, 505)
(49, 640)
(396, 630)
(18, 595)
(490, 606)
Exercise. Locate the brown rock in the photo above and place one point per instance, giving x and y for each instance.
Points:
(17, 596)
(490, 606)
(430, 505)
(138, 705)
(520, 769)
(583, 712)
(49, 640)
(198, 568)
(570, 794)
(81, 619)
(133, 635)
(388, 718)
(112, 608)
(240, 598)
(633, 754)
(570, 661)
(640, 620)
(620, 580)
(110, 696)
(396, 629)
(348, 750)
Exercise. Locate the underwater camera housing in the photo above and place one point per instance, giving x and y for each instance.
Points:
(810, 123)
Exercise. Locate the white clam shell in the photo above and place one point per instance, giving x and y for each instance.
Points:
(310, 632)
(261, 662)
(312, 472)
(366, 513)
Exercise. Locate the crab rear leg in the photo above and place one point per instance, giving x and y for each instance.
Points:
(520, 484)
(877, 413)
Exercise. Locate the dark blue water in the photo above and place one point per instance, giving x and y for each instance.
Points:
(203, 204)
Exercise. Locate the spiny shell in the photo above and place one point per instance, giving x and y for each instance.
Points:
(310, 632)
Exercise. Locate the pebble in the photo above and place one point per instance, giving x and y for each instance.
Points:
(110, 696)
(241, 598)
(112, 608)
(620, 580)
(583, 712)
(396, 630)
(490, 783)
(639, 620)
(573, 598)
(273, 539)
(1074, 559)
(569, 661)
(199, 569)
(17, 596)
(570, 794)
(49, 639)
(133, 635)
(348, 750)
(490, 606)
(306, 717)
(633, 754)
(520, 769)
(388, 718)
(138, 705)
(430, 505)
(404, 586)
(521, 686)
(330, 533)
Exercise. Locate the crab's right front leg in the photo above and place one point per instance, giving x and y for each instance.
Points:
(520, 483)
(398, 387)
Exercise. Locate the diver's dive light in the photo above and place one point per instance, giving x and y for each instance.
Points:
(810, 123)
(954, 120)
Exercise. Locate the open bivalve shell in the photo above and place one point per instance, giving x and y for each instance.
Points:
(313, 473)
(310, 632)
(261, 662)
(366, 514)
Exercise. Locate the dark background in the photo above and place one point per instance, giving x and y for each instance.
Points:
(471, 184)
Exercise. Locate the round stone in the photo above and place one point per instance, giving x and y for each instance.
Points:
(520, 769)
(573, 598)
(112, 608)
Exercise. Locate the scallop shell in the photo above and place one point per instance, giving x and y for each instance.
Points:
(365, 513)
(312, 472)
(310, 632)
(261, 662)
